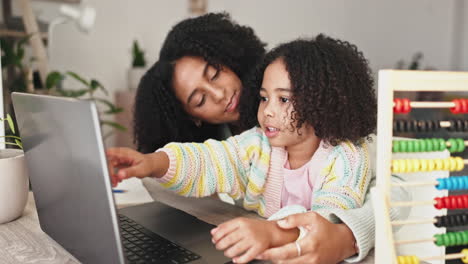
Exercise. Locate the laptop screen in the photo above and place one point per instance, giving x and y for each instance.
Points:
(68, 173)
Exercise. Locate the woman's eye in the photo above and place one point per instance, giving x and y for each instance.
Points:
(202, 101)
(215, 76)
(284, 99)
(263, 99)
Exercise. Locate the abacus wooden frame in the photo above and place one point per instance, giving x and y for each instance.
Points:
(389, 82)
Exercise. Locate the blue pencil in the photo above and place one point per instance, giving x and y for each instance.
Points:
(118, 191)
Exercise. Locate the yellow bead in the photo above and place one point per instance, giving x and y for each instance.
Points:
(460, 164)
(431, 165)
(408, 260)
(446, 164)
(403, 166)
(423, 164)
(395, 166)
(453, 164)
(439, 164)
(465, 255)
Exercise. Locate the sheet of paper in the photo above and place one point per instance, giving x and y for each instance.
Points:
(135, 192)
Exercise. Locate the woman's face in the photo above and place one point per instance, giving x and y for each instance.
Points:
(206, 93)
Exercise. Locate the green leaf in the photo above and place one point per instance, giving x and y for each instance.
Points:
(19, 143)
(53, 79)
(112, 108)
(95, 84)
(73, 93)
(78, 78)
(10, 123)
(11, 137)
(14, 144)
(114, 125)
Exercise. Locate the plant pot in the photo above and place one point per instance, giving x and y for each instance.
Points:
(14, 184)
(134, 76)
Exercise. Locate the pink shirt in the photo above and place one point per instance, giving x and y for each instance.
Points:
(298, 184)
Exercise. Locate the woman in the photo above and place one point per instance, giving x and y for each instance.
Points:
(193, 92)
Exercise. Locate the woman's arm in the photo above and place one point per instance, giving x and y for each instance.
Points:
(354, 225)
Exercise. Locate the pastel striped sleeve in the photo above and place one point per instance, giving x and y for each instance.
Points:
(202, 169)
(345, 180)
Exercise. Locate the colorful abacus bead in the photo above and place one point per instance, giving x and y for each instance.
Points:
(408, 260)
(454, 183)
(461, 106)
(464, 252)
(402, 105)
(423, 165)
(452, 202)
(451, 220)
(451, 239)
(420, 145)
(456, 145)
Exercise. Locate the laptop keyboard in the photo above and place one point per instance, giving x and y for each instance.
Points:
(143, 246)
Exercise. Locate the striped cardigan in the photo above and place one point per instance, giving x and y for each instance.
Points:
(246, 166)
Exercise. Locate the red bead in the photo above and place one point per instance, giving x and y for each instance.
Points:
(452, 202)
(464, 106)
(397, 107)
(457, 108)
(406, 106)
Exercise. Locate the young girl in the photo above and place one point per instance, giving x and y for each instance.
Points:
(308, 152)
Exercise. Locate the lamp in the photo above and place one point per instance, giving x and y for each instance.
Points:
(84, 18)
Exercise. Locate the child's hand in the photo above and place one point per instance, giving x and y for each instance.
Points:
(125, 163)
(242, 239)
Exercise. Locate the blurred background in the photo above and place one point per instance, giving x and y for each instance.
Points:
(421, 34)
(98, 49)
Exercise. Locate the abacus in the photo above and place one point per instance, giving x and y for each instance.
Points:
(436, 156)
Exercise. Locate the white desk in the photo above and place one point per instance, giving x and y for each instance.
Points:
(22, 240)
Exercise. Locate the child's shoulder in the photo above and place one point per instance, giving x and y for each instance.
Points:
(350, 149)
(254, 135)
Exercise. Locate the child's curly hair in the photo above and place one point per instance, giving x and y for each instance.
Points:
(158, 116)
(332, 89)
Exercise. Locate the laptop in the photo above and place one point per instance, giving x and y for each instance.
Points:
(68, 172)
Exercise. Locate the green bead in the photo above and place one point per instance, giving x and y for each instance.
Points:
(442, 144)
(403, 146)
(461, 144)
(452, 239)
(453, 145)
(429, 145)
(423, 145)
(410, 145)
(417, 145)
(396, 146)
(435, 143)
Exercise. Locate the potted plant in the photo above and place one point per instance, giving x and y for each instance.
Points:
(14, 181)
(138, 68)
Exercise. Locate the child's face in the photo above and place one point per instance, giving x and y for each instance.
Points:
(274, 112)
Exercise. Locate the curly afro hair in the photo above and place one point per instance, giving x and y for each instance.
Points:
(158, 116)
(332, 89)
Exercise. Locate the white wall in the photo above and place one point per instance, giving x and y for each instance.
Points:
(386, 31)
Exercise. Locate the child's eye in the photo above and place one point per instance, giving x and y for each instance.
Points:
(263, 99)
(284, 99)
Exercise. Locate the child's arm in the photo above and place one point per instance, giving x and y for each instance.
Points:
(201, 169)
(243, 239)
